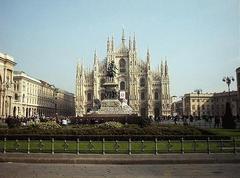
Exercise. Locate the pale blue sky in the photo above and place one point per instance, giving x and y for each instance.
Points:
(201, 38)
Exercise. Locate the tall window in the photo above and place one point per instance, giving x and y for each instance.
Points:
(122, 65)
(142, 96)
(16, 96)
(193, 107)
(122, 85)
(156, 95)
(23, 98)
(142, 82)
(89, 96)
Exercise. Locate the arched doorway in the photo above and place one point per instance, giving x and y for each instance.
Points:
(14, 111)
(143, 112)
(30, 112)
(26, 112)
(156, 112)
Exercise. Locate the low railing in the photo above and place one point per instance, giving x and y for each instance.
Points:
(127, 146)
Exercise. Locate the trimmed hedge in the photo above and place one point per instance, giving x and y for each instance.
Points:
(128, 130)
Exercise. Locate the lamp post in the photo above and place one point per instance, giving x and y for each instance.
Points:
(228, 81)
(198, 91)
(228, 120)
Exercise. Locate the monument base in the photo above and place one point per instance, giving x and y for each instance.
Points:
(113, 107)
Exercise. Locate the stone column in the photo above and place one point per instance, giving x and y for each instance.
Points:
(10, 106)
(3, 106)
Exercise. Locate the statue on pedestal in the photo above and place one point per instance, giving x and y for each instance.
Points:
(110, 87)
(111, 70)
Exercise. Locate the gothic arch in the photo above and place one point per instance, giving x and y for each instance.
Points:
(122, 65)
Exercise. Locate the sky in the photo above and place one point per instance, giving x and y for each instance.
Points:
(200, 38)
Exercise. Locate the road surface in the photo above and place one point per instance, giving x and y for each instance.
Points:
(26, 170)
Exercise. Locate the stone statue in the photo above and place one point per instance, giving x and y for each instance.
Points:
(111, 70)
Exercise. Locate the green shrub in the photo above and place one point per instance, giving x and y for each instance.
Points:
(110, 124)
(108, 129)
(13, 122)
(48, 125)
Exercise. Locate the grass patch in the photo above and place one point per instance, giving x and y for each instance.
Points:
(226, 132)
(120, 147)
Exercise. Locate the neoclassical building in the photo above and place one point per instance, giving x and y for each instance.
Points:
(64, 103)
(36, 97)
(146, 90)
(6, 85)
(25, 96)
(32, 96)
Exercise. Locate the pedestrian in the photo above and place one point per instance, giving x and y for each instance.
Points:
(217, 122)
(191, 118)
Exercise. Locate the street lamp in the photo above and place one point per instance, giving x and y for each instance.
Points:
(228, 120)
(198, 91)
(228, 81)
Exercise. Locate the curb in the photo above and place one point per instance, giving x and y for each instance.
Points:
(121, 159)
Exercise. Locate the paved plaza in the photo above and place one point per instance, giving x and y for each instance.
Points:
(19, 170)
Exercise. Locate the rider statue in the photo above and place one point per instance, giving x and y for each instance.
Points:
(111, 73)
(111, 70)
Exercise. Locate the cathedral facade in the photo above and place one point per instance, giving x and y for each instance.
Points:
(146, 90)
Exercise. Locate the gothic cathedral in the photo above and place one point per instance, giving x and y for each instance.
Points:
(146, 91)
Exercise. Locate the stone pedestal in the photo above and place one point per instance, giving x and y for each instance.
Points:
(110, 89)
(114, 107)
(111, 105)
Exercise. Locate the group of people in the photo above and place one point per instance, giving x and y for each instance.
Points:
(214, 121)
